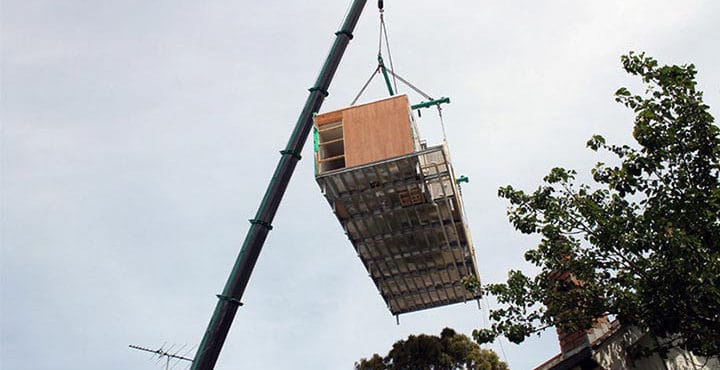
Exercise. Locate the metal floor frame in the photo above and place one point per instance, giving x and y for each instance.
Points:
(404, 218)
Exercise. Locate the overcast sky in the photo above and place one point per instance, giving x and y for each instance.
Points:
(139, 136)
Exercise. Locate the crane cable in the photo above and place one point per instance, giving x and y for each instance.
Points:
(442, 123)
(383, 33)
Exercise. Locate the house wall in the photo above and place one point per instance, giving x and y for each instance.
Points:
(616, 353)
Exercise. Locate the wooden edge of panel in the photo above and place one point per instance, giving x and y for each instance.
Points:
(330, 117)
(401, 96)
(337, 115)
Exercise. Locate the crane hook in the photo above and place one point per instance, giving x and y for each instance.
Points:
(380, 4)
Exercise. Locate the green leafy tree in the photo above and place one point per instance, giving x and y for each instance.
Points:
(449, 351)
(374, 363)
(642, 243)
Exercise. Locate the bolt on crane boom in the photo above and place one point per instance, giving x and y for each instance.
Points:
(229, 300)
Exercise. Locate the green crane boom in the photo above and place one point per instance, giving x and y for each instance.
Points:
(229, 300)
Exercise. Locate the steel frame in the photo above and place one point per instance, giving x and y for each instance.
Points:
(416, 254)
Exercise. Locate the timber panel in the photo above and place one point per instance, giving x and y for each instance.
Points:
(364, 133)
(377, 131)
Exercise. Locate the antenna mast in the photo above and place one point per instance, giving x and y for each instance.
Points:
(161, 352)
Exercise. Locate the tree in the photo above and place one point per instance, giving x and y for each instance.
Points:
(450, 351)
(642, 243)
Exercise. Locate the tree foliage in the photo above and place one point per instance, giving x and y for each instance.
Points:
(449, 351)
(643, 242)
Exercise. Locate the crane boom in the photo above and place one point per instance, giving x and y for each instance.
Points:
(229, 300)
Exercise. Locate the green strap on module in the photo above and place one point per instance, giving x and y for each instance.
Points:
(316, 140)
(381, 64)
(316, 146)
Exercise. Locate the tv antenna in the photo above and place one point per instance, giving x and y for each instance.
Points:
(167, 354)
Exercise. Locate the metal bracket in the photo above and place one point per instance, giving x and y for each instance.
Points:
(229, 299)
(262, 223)
(462, 178)
(428, 104)
(346, 33)
(292, 153)
(322, 91)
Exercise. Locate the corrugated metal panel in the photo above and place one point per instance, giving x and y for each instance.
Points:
(404, 217)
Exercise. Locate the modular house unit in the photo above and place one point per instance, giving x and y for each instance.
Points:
(398, 202)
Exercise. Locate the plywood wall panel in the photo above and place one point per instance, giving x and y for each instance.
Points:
(377, 131)
(370, 132)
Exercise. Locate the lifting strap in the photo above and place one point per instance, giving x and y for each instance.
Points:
(386, 72)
